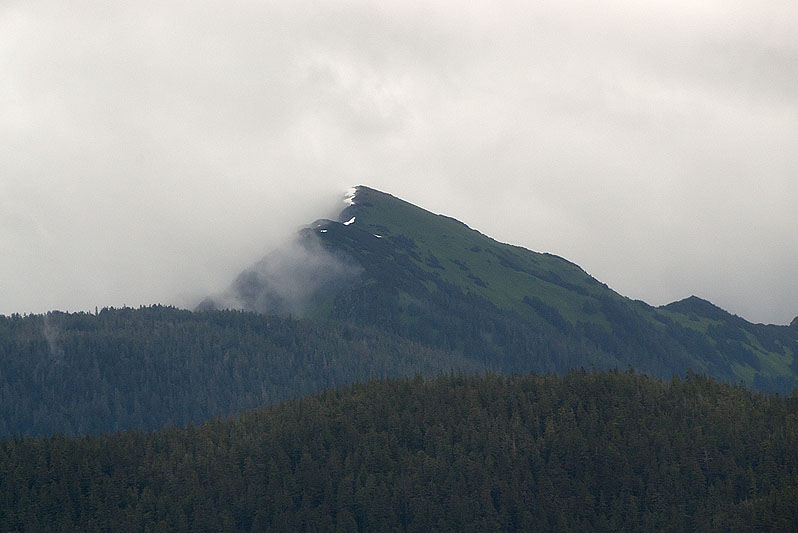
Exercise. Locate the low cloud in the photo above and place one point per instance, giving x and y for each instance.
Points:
(292, 280)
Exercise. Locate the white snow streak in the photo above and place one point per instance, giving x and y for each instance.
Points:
(349, 197)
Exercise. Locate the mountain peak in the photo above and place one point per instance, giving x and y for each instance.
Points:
(699, 306)
(383, 262)
(351, 194)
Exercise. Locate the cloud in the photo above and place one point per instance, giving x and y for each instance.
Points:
(293, 279)
(154, 149)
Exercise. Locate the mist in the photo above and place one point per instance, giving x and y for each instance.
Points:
(152, 151)
(52, 332)
(293, 279)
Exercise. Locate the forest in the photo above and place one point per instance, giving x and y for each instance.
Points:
(81, 373)
(585, 451)
(145, 368)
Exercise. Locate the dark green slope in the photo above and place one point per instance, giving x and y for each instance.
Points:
(583, 452)
(450, 251)
(150, 367)
(433, 279)
(761, 355)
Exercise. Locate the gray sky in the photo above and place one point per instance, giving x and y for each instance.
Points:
(149, 151)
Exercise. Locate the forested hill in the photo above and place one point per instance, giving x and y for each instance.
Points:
(79, 373)
(432, 279)
(583, 452)
(388, 291)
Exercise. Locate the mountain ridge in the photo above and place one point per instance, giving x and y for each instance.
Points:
(701, 307)
(434, 279)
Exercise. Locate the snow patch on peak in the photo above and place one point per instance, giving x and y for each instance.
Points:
(349, 197)
(350, 221)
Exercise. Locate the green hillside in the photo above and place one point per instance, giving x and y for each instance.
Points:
(583, 452)
(433, 279)
(458, 255)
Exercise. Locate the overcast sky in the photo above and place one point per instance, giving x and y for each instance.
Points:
(151, 150)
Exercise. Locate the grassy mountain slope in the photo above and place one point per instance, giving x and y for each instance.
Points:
(583, 452)
(456, 254)
(765, 356)
(433, 279)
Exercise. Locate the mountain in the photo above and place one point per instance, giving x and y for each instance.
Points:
(392, 265)
(388, 290)
(580, 452)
